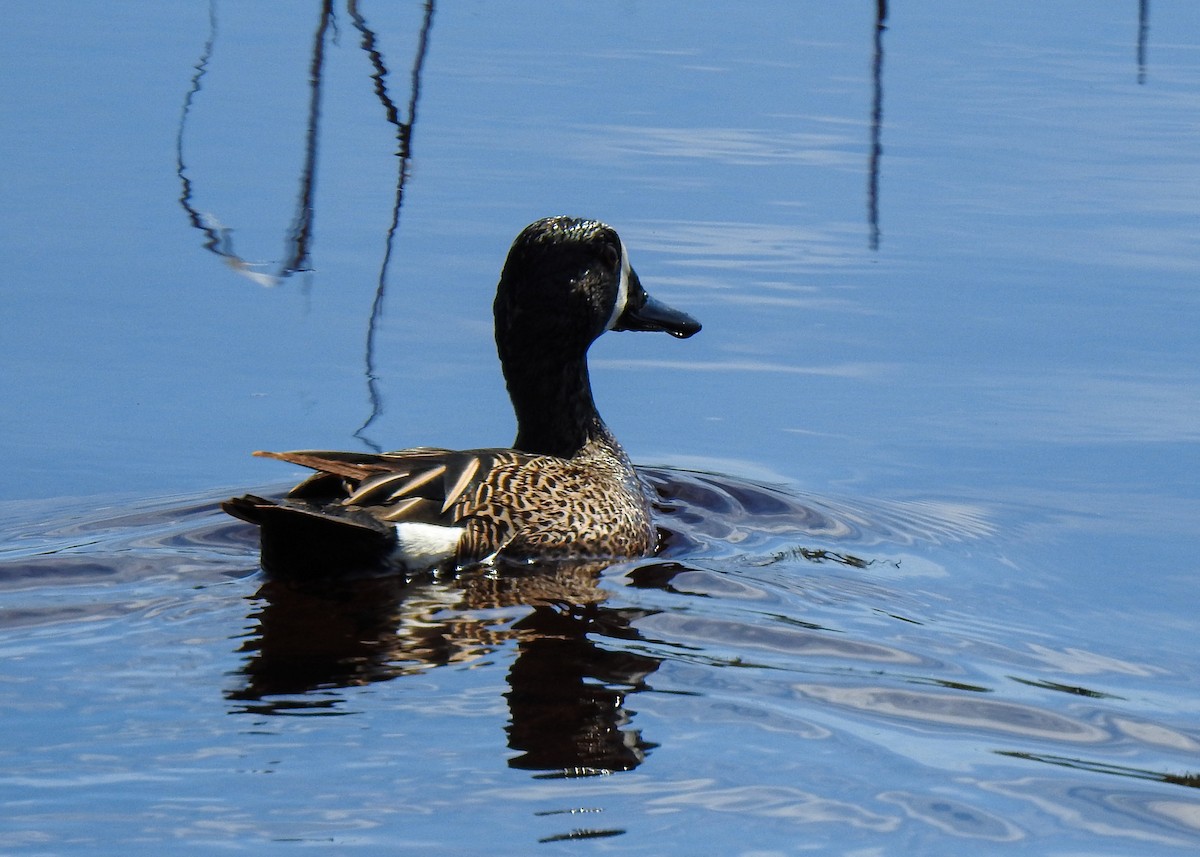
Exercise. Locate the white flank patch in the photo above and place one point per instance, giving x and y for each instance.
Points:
(420, 546)
(622, 290)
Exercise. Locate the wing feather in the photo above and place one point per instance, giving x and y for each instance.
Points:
(486, 491)
(416, 508)
(467, 470)
(349, 465)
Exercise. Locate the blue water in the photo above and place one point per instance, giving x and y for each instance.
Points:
(947, 272)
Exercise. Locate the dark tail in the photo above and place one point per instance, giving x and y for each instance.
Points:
(302, 540)
(246, 508)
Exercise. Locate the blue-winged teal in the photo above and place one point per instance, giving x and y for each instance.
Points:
(565, 489)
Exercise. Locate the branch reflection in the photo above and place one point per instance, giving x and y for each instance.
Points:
(1143, 33)
(218, 239)
(296, 258)
(404, 154)
(881, 13)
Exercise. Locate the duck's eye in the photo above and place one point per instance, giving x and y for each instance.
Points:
(611, 255)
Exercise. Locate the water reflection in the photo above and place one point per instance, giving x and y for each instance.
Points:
(218, 238)
(300, 233)
(974, 712)
(1141, 816)
(566, 692)
(1143, 32)
(404, 130)
(953, 817)
(1182, 779)
(572, 669)
(749, 624)
(881, 13)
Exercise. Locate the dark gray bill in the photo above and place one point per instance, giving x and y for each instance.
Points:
(643, 312)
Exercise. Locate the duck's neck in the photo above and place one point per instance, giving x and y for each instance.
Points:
(555, 411)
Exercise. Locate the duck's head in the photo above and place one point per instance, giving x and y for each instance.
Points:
(565, 282)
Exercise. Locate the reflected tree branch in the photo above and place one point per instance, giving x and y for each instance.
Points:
(300, 232)
(881, 12)
(1183, 779)
(214, 240)
(404, 154)
(1142, 34)
(217, 238)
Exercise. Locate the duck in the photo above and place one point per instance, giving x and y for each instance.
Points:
(564, 490)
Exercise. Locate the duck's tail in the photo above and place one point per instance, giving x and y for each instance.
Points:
(307, 540)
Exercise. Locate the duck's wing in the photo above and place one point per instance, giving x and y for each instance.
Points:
(354, 465)
(471, 489)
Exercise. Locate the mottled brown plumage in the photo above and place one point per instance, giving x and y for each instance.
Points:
(565, 489)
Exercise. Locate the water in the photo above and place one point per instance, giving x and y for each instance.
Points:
(947, 275)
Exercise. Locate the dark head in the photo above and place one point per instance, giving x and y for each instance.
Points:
(565, 282)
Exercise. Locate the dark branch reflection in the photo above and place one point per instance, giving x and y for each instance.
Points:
(296, 259)
(566, 693)
(881, 13)
(1143, 33)
(404, 155)
(299, 237)
(217, 238)
(1180, 779)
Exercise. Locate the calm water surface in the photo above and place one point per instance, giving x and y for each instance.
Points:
(942, 595)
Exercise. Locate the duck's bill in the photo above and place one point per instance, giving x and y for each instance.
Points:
(643, 312)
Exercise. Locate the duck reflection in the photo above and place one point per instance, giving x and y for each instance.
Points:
(569, 684)
(566, 694)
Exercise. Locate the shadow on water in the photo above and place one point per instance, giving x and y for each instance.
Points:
(218, 238)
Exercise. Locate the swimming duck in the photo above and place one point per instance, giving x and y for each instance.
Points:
(566, 488)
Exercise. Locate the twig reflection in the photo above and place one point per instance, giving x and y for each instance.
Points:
(1143, 33)
(296, 259)
(217, 238)
(404, 154)
(297, 255)
(1183, 779)
(876, 123)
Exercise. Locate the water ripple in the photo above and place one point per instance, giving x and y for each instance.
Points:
(963, 712)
